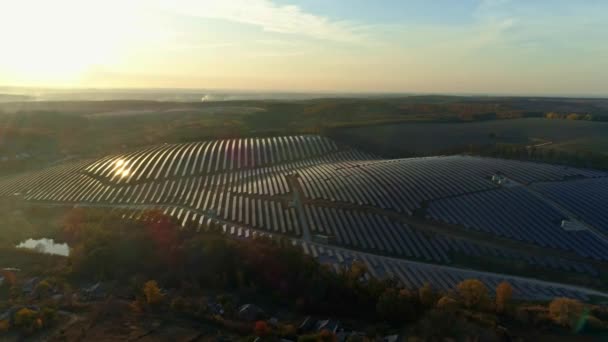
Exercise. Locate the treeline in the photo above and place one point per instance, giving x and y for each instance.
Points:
(134, 252)
(574, 116)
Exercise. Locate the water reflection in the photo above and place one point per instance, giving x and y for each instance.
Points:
(47, 246)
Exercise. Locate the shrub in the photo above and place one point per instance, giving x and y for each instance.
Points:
(566, 311)
(473, 293)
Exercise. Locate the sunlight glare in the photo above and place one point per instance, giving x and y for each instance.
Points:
(58, 41)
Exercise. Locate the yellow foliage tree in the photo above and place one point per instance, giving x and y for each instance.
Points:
(566, 311)
(4, 325)
(573, 116)
(43, 289)
(357, 269)
(25, 318)
(473, 292)
(504, 292)
(152, 293)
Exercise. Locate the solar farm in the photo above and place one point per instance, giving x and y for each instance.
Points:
(418, 220)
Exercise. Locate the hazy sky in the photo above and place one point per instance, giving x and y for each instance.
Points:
(479, 46)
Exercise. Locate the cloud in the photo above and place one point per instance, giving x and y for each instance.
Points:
(287, 19)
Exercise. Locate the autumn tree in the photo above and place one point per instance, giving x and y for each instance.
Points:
(261, 329)
(427, 295)
(504, 292)
(4, 325)
(152, 293)
(396, 306)
(447, 303)
(327, 336)
(43, 289)
(473, 292)
(357, 270)
(573, 116)
(27, 320)
(566, 311)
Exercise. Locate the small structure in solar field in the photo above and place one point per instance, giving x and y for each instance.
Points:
(499, 179)
(572, 225)
(325, 239)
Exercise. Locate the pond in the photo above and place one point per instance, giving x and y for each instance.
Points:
(48, 246)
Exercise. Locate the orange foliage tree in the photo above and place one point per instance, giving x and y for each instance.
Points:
(566, 311)
(473, 292)
(504, 292)
(261, 329)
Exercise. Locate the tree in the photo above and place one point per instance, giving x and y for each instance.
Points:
(152, 293)
(26, 319)
(43, 289)
(566, 311)
(261, 329)
(573, 116)
(504, 292)
(447, 303)
(327, 336)
(427, 295)
(473, 292)
(4, 325)
(396, 306)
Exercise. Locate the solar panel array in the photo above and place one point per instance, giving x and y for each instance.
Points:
(587, 198)
(405, 184)
(414, 275)
(517, 214)
(300, 186)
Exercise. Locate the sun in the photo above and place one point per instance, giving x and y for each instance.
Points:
(58, 41)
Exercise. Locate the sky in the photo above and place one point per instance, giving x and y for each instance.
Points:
(404, 46)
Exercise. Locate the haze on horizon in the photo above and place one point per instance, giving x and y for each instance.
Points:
(468, 46)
